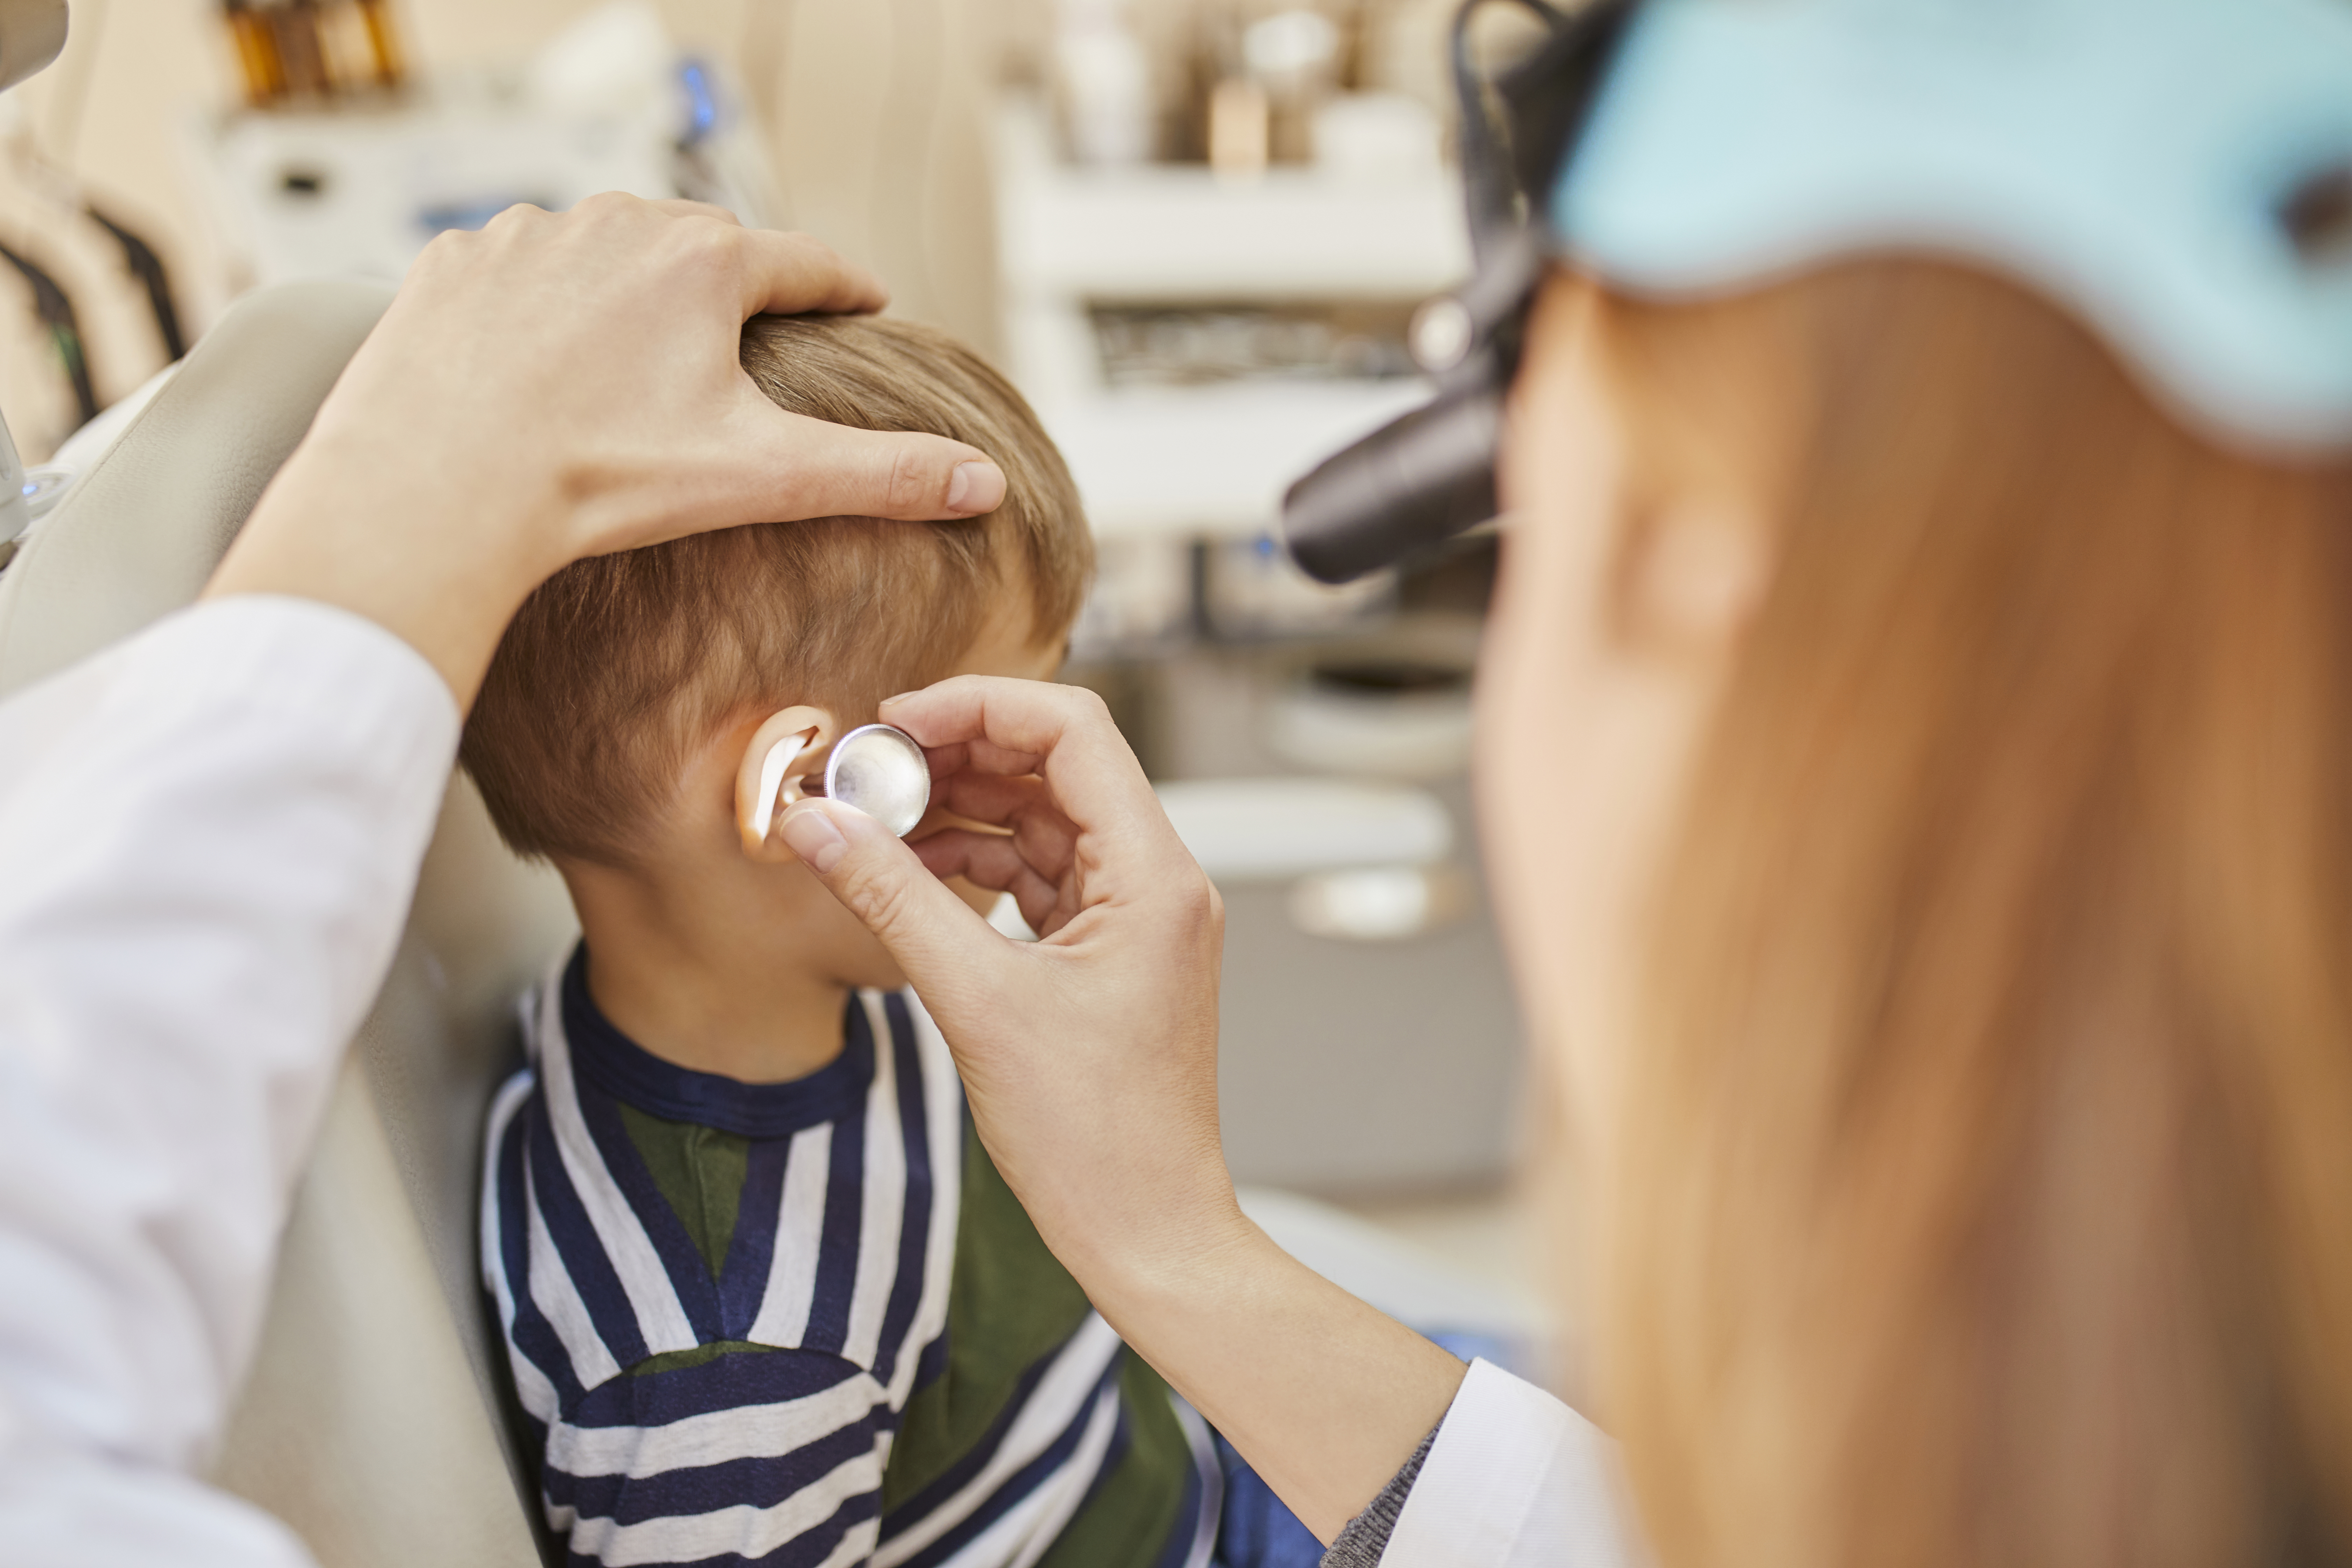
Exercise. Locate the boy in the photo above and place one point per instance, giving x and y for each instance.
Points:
(764, 1297)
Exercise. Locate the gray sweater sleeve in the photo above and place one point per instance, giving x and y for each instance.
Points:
(1361, 1544)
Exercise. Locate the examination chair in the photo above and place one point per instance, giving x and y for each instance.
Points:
(372, 1420)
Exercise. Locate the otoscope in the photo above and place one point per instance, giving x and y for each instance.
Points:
(878, 769)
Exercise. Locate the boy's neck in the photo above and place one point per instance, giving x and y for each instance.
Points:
(700, 996)
(768, 1028)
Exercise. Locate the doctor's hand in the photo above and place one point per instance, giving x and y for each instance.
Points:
(562, 386)
(1089, 1059)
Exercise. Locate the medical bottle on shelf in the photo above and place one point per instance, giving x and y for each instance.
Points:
(313, 53)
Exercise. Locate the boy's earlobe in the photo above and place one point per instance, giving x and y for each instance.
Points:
(782, 751)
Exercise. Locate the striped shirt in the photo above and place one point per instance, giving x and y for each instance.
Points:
(807, 1323)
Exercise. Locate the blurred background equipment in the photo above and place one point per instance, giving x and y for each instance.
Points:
(294, 51)
(1197, 234)
(31, 33)
(343, 168)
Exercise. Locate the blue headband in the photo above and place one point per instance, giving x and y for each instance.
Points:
(2177, 173)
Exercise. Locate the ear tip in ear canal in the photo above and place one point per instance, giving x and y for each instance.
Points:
(775, 790)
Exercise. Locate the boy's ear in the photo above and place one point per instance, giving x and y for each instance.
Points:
(782, 751)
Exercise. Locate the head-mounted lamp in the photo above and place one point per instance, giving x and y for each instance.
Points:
(2175, 173)
(1430, 475)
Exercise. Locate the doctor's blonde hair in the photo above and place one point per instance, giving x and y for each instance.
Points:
(618, 666)
(1986, 1192)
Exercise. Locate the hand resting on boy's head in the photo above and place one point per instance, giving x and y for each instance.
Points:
(520, 407)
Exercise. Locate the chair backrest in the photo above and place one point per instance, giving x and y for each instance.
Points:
(372, 1420)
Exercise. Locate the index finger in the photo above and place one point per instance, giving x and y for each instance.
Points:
(792, 274)
(687, 206)
(1087, 764)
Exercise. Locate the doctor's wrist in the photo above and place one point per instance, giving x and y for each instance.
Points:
(441, 564)
(1148, 1267)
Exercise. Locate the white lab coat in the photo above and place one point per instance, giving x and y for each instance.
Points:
(209, 836)
(209, 839)
(1516, 1480)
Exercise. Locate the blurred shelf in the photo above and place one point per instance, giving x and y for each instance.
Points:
(1208, 461)
(358, 193)
(1167, 231)
(359, 190)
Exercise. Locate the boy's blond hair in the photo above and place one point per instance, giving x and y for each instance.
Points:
(618, 666)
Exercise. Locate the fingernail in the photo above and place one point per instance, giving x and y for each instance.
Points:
(816, 839)
(975, 488)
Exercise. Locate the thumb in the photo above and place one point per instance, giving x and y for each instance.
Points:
(928, 929)
(838, 471)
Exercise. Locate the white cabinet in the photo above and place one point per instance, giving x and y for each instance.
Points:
(1210, 459)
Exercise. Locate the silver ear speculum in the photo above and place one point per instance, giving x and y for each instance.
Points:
(880, 770)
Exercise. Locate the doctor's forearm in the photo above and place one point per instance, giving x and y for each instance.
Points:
(1324, 1396)
(352, 529)
(1089, 1062)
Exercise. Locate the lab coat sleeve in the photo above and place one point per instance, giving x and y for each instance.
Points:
(1515, 1479)
(209, 836)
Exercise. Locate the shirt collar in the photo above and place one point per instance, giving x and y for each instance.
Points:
(607, 1059)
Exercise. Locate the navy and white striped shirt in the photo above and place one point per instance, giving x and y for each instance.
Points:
(805, 1324)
